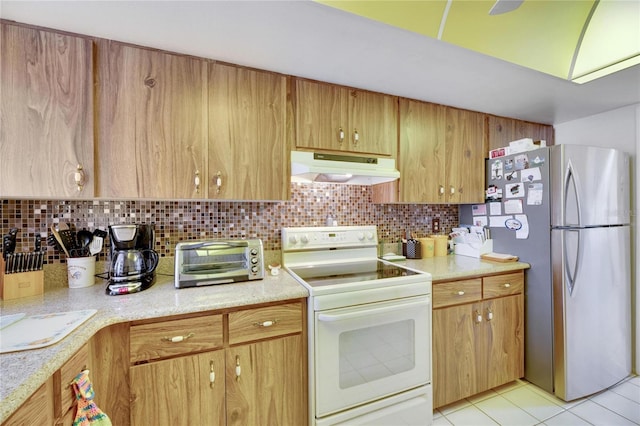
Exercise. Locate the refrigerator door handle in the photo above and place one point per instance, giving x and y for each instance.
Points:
(570, 271)
(570, 183)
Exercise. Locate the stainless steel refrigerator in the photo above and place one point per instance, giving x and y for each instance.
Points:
(565, 210)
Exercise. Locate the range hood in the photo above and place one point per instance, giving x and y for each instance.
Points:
(337, 168)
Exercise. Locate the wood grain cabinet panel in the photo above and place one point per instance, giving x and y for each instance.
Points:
(152, 132)
(177, 337)
(457, 292)
(336, 118)
(268, 389)
(503, 130)
(477, 345)
(65, 395)
(441, 156)
(263, 323)
(36, 410)
(179, 391)
(46, 114)
(248, 149)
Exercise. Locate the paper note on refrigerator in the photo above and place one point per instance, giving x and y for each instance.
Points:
(498, 221)
(513, 206)
(523, 232)
(495, 209)
(534, 194)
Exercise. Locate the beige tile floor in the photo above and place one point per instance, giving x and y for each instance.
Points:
(520, 403)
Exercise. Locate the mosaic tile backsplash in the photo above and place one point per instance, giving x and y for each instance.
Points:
(177, 221)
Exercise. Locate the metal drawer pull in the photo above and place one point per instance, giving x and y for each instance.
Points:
(356, 136)
(478, 317)
(459, 293)
(177, 339)
(218, 182)
(265, 323)
(79, 177)
(212, 374)
(340, 135)
(506, 285)
(489, 315)
(82, 370)
(196, 181)
(238, 369)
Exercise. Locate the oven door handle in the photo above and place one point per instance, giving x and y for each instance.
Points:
(373, 311)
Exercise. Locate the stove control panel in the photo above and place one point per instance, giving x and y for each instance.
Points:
(327, 237)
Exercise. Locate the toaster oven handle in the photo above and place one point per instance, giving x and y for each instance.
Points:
(198, 246)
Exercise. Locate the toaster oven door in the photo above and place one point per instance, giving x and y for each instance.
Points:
(209, 263)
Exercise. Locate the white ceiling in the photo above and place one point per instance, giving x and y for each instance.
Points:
(311, 40)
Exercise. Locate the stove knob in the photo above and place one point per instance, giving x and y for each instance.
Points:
(254, 269)
(254, 252)
(293, 239)
(370, 235)
(254, 260)
(304, 239)
(361, 236)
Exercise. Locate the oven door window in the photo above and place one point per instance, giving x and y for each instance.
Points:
(367, 352)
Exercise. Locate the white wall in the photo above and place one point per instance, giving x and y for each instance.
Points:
(618, 129)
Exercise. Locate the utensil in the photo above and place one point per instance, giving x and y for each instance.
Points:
(9, 242)
(96, 245)
(84, 238)
(59, 239)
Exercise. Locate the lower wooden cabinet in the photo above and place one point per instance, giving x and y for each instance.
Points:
(478, 335)
(37, 410)
(179, 391)
(257, 375)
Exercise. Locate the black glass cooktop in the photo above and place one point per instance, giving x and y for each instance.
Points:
(349, 272)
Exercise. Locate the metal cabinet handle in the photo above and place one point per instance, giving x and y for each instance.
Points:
(506, 285)
(79, 177)
(177, 339)
(340, 135)
(218, 182)
(238, 369)
(441, 190)
(478, 317)
(268, 323)
(196, 181)
(356, 136)
(212, 375)
(459, 293)
(452, 190)
(489, 314)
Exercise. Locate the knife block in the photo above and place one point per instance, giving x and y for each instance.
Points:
(22, 284)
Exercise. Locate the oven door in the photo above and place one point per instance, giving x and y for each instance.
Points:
(366, 352)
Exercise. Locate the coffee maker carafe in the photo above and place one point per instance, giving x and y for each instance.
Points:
(133, 260)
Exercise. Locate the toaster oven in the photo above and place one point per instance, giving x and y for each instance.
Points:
(209, 262)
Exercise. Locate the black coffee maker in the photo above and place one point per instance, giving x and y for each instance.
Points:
(133, 259)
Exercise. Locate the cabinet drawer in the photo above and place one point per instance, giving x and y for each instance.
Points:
(502, 285)
(170, 338)
(457, 292)
(261, 323)
(68, 372)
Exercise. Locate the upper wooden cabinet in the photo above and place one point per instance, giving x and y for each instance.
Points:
(336, 118)
(152, 131)
(248, 134)
(441, 155)
(503, 130)
(46, 114)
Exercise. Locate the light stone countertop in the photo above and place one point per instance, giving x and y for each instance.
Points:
(454, 267)
(22, 373)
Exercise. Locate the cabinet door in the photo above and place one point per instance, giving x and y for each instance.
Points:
(321, 116)
(503, 130)
(178, 391)
(455, 359)
(465, 149)
(37, 409)
(46, 114)
(373, 123)
(272, 387)
(422, 151)
(152, 129)
(504, 328)
(248, 147)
